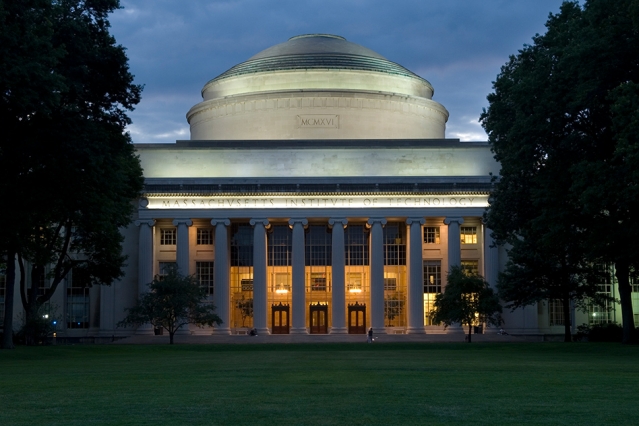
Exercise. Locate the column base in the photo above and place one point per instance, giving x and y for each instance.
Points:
(415, 330)
(299, 330)
(221, 331)
(339, 330)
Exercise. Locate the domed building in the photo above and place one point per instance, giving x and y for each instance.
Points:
(317, 194)
(317, 86)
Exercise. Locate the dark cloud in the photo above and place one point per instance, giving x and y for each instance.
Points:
(175, 47)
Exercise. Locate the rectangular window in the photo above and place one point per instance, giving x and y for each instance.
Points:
(204, 237)
(280, 245)
(431, 235)
(432, 276)
(555, 312)
(318, 282)
(3, 292)
(319, 246)
(163, 268)
(78, 300)
(204, 273)
(241, 244)
(468, 234)
(168, 236)
(394, 235)
(356, 245)
(354, 282)
(605, 314)
(390, 284)
(471, 267)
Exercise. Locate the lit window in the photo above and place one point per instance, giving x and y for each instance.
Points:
(471, 267)
(318, 282)
(354, 282)
(432, 276)
(390, 284)
(168, 236)
(468, 234)
(204, 237)
(204, 273)
(431, 235)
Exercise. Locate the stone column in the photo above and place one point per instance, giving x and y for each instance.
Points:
(299, 268)
(221, 283)
(415, 276)
(145, 264)
(491, 259)
(338, 284)
(377, 274)
(454, 241)
(182, 255)
(260, 263)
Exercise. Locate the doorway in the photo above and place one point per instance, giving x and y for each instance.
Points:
(356, 318)
(319, 318)
(280, 315)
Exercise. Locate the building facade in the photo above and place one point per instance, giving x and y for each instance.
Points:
(317, 194)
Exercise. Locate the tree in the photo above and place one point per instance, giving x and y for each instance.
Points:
(563, 122)
(393, 308)
(173, 301)
(65, 88)
(467, 300)
(245, 307)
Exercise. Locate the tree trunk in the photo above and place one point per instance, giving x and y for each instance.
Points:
(622, 271)
(171, 334)
(7, 339)
(470, 329)
(565, 304)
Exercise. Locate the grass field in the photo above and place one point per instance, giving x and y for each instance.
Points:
(494, 383)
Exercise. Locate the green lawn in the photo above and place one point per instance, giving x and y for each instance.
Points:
(493, 383)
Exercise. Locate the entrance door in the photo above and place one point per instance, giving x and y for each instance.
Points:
(280, 318)
(319, 318)
(356, 318)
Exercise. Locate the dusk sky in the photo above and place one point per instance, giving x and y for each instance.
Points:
(175, 47)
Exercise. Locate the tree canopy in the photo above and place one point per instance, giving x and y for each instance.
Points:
(468, 300)
(562, 121)
(173, 301)
(66, 163)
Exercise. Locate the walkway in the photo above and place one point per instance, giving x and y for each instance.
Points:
(325, 338)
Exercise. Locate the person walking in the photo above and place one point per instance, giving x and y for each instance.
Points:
(370, 335)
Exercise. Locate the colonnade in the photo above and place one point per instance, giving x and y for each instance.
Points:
(415, 304)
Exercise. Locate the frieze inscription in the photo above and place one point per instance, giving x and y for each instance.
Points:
(315, 202)
(330, 121)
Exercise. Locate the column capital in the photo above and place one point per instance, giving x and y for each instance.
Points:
(261, 221)
(450, 220)
(373, 220)
(292, 221)
(149, 222)
(337, 221)
(187, 222)
(225, 222)
(411, 220)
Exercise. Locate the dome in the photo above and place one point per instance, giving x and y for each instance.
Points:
(317, 86)
(317, 51)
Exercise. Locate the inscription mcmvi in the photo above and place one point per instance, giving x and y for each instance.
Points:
(316, 121)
